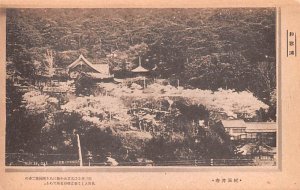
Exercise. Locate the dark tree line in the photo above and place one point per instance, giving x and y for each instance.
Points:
(205, 48)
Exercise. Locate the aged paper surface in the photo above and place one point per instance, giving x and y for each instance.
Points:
(280, 172)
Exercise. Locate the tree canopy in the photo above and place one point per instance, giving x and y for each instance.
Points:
(205, 48)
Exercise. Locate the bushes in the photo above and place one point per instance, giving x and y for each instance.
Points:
(84, 85)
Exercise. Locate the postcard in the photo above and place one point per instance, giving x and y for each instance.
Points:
(149, 95)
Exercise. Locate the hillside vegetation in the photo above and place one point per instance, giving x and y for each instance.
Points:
(210, 64)
(205, 48)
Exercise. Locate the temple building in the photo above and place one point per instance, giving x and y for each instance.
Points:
(99, 72)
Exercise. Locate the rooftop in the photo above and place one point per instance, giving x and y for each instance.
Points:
(261, 127)
(139, 69)
(251, 126)
(234, 123)
(99, 68)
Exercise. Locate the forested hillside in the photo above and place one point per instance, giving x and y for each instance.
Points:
(205, 48)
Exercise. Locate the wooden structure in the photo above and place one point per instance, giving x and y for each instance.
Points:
(263, 131)
(241, 130)
(235, 128)
(99, 72)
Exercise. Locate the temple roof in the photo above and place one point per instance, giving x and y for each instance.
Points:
(98, 68)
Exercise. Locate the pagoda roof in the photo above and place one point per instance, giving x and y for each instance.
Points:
(140, 68)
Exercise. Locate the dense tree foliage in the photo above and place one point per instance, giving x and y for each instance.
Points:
(205, 48)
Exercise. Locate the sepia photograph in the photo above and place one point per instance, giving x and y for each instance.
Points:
(148, 87)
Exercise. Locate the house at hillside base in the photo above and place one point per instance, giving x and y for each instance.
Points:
(99, 71)
(241, 130)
